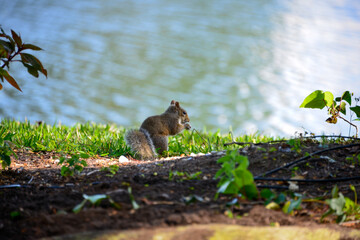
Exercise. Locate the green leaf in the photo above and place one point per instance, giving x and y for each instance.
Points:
(65, 171)
(9, 78)
(335, 192)
(32, 47)
(31, 70)
(342, 108)
(84, 163)
(250, 191)
(243, 162)
(192, 198)
(280, 199)
(337, 204)
(318, 99)
(347, 97)
(132, 199)
(353, 188)
(356, 110)
(224, 159)
(95, 199)
(7, 46)
(33, 61)
(3, 52)
(228, 187)
(84, 155)
(329, 98)
(78, 207)
(267, 194)
(243, 177)
(294, 204)
(15, 214)
(5, 160)
(78, 168)
(16, 38)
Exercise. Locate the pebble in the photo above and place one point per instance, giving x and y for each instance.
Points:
(123, 159)
(56, 161)
(48, 166)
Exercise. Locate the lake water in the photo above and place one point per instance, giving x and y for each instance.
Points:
(241, 64)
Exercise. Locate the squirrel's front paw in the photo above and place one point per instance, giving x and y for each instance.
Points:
(187, 126)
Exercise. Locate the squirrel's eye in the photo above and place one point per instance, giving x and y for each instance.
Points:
(184, 112)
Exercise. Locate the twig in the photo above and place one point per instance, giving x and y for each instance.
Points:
(201, 136)
(350, 124)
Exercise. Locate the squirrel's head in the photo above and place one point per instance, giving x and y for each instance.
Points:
(175, 108)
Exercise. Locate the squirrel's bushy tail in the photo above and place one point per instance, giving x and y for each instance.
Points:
(140, 143)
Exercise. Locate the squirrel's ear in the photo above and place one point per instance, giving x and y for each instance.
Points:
(172, 102)
(177, 104)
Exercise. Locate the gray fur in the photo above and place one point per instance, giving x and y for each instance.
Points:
(140, 143)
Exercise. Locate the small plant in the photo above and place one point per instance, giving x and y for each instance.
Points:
(184, 175)
(192, 199)
(112, 169)
(234, 176)
(344, 208)
(132, 199)
(11, 47)
(281, 201)
(355, 159)
(6, 148)
(295, 145)
(73, 164)
(95, 200)
(336, 107)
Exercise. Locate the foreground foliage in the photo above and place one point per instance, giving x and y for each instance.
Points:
(235, 178)
(335, 106)
(12, 46)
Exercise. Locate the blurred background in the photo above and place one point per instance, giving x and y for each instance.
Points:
(240, 65)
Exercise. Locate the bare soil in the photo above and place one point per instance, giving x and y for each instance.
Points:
(37, 202)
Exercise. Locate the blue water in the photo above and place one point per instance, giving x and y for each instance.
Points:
(241, 64)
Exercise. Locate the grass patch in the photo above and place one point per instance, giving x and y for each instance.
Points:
(108, 140)
(89, 138)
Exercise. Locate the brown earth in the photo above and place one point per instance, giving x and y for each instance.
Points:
(42, 205)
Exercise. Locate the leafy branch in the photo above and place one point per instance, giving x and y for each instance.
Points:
(319, 99)
(13, 46)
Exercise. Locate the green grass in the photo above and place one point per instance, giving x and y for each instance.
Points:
(108, 140)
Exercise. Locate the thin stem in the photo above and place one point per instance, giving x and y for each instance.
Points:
(350, 124)
(6, 62)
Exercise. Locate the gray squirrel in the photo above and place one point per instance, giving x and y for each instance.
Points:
(154, 131)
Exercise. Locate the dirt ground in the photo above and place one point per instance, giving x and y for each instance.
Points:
(37, 202)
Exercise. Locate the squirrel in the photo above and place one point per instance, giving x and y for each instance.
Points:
(154, 131)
